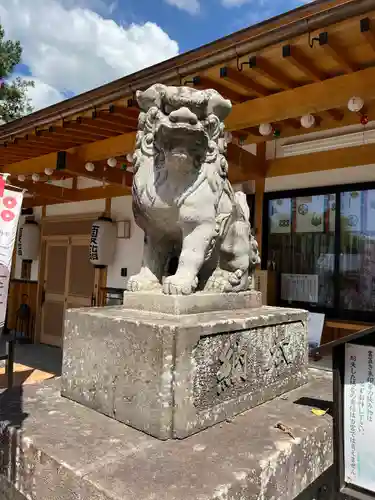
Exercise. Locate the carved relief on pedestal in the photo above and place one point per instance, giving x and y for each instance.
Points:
(233, 367)
(233, 364)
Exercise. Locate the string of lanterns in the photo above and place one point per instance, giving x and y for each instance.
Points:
(355, 105)
(35, 177)
(112, 163)
(89, 167)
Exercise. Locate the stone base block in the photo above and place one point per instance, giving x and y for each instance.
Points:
(54, 449)
(173, 375)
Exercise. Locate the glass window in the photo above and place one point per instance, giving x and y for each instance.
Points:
(357, 250)
(301, 244)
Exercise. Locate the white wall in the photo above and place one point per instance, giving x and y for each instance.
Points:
(128, 251)
(75, 208)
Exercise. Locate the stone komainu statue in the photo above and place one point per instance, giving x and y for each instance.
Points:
(182, 197)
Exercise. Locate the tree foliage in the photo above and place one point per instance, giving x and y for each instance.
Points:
(14, 102)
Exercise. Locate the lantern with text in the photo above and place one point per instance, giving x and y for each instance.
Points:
(354, 414)
(28, 241)
(103, 242)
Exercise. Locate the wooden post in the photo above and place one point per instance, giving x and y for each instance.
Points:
(259, 196)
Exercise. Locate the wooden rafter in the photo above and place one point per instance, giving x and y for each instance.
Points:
(59, 131)
(261, 66)
(321, 96)
(103, 127)
(240, 78)
(129, 115)
(297, 58)
(108, 117)
(337, 53)
(55, 142)
(94, 132)
(368, 31)
(207, 83)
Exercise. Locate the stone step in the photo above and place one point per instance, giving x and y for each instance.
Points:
(55, 449)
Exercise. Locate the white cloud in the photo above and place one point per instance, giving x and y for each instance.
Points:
(191, 6)
(73, 48)
(43, 95)
(234, 3)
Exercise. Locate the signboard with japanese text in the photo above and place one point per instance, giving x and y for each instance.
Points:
(359, 416)
(10, 210)
(300, 287)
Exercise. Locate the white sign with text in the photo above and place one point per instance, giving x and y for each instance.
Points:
(359, 416)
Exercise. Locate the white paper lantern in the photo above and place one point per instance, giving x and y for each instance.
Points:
(48, 171)
(21, 178)
(265, 129)
(28, 241)
(90, 167)
(355, 104)
(112, 162)
(129, 158)
(308, 121)
(35, 177)
(103, 242)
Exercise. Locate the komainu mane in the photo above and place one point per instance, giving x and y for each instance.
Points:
(198, 235)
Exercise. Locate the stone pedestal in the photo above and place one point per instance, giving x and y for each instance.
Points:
(172, 366)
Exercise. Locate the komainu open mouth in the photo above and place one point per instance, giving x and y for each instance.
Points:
(173, 136)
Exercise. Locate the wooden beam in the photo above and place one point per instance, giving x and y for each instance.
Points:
(96, 193)
(315, 97)
(239, 78)
(322, 161)
(102, 150)
(76, 167)
(44, 190)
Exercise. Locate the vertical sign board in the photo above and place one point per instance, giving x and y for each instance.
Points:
(10, 210)
(354, 412)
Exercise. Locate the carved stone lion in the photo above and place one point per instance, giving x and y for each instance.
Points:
(197, 230)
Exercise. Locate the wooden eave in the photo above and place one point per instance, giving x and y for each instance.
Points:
(310, 60)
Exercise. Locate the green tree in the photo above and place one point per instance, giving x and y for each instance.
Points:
(14, 102)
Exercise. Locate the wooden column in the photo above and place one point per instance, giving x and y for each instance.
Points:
(259, 195)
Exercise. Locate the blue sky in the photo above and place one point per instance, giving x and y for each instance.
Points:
(213, 20)
(71, 46)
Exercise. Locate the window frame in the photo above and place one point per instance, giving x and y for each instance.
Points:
(335, 311)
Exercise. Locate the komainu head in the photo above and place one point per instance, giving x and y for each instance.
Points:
(181, 124)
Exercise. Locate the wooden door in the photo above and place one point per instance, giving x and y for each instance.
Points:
(81, 274)
(69, 282)
(53, 300)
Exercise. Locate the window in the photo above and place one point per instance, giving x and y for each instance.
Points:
(357, 250)
(301, 247)
(321, 243)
